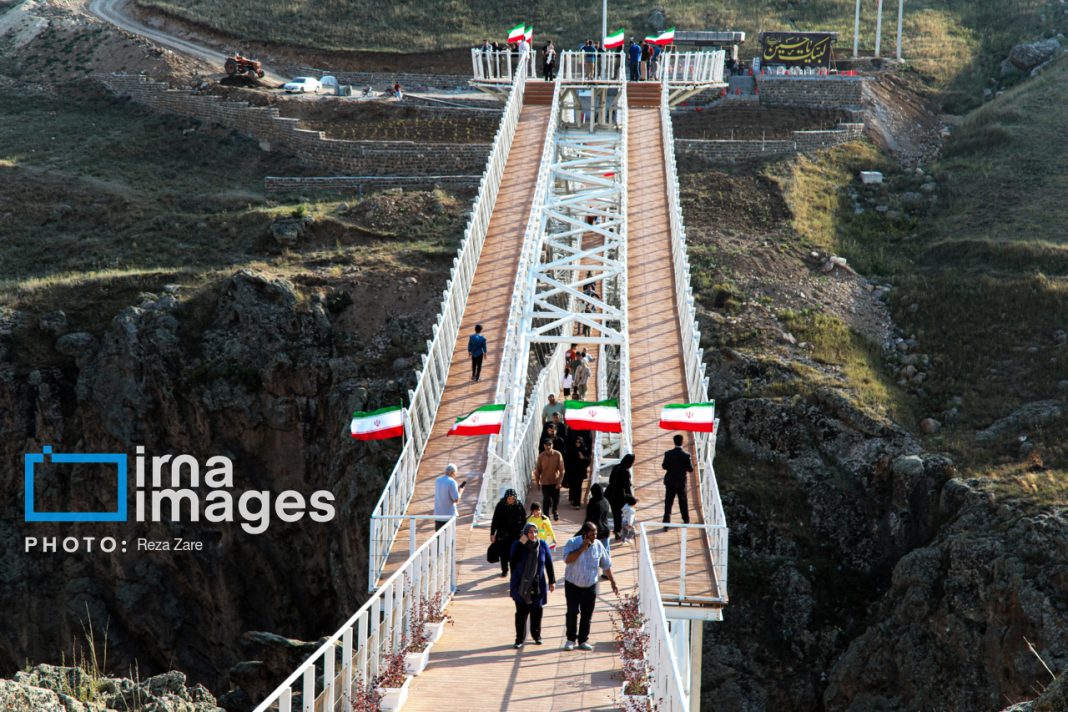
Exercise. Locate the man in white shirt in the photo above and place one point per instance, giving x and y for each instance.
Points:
(446, 495)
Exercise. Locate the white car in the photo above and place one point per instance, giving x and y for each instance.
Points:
(303, 85)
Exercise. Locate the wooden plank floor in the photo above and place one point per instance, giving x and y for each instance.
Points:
(487, 304)
(657, 370)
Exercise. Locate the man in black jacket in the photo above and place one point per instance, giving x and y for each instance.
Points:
(676, 464)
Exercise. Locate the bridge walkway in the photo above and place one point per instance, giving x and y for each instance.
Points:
(657, 369)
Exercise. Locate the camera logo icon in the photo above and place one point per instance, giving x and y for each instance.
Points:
(32, 459)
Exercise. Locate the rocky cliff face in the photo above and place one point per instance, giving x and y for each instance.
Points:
(865, 576)
(250, 367)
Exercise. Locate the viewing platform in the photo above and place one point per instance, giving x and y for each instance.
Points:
(686, 73)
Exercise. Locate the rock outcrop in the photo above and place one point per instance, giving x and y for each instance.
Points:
(47, 688)
(1028, 55)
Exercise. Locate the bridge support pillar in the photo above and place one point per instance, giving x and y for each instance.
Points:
(697, 640)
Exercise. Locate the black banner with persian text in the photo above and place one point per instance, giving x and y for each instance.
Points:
(796, 49)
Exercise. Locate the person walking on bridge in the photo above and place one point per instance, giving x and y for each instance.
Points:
(576, 465)
(477, 348)
(584, 557)
(533, 579)
(620, 487)
(446, 495)
(549, 474)
(506, 526)
(676, 465)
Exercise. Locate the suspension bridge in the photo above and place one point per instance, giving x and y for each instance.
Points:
(576, 237)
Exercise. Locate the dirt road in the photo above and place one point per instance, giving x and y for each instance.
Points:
(117, 13)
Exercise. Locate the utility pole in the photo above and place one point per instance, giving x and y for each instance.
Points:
(900, 18)
(856, 30)
(878, 27)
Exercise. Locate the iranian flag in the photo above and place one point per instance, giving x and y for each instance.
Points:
(614, 40)
(517, 33)
(528, 34)
(378, 424)
(664, 38)
(481, 421)
(602, 416)
(695, 417)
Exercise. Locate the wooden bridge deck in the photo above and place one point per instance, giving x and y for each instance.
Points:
(657, 370)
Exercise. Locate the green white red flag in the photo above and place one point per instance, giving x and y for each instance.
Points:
(481, 421)
(614, 40)
(602, 415)
(517, 33)
(378, 424)
(695, 417)
(664, 38)
(528, 34)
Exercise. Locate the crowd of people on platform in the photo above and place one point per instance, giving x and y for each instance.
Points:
(642, 58)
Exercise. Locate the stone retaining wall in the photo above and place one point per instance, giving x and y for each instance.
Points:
(825, 92)
(744, 150)
(274, 185)
(273, 131)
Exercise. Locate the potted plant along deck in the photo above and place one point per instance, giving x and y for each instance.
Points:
(635, 690)
(365, 698)
(393, 682)
(417, 645)
(436, 617)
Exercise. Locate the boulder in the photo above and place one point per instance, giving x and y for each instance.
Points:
(1028, 55)
(1027, 416)
(871, 177)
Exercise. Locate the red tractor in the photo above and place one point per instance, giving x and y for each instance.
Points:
(238, 65)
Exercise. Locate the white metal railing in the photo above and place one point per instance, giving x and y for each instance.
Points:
(578, 66)
(692, 67)
(626, 446)
(501, 66)
(696, 380)
(424, 400)
(668, 686)
(324, 682)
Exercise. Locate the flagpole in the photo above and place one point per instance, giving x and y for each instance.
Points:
(604, 20)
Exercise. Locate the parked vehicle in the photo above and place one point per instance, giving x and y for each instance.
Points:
(303, 85)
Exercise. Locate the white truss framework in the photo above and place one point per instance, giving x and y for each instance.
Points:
(576, 286)
(584, 200)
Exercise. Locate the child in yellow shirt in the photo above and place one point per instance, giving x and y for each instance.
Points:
(545, 527)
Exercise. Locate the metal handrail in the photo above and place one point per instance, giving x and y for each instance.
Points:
(669, 689)
(696, 380)
(424, 400)
(355, 651)
(501, 65)
(626, 444)
(692, 67)
(575, 67)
